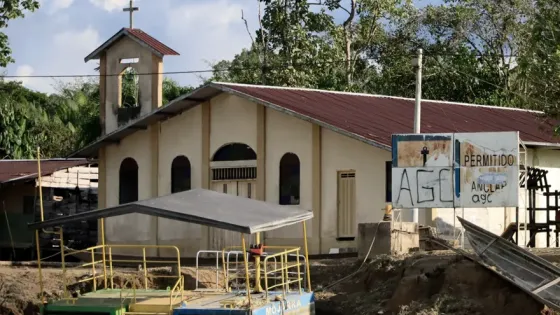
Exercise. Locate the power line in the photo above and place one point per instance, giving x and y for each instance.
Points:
(256, 68)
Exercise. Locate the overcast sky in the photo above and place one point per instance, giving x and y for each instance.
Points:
(55, 39)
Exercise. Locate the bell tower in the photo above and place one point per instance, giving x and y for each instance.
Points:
(131, 79)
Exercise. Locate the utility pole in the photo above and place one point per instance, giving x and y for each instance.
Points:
(417, 63)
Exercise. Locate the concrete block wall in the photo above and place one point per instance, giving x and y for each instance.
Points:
(390, 238)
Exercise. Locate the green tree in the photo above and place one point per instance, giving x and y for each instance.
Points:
(130, 88)
(59, 123)
(292, 47)
(539, 67)
(470, 48)
(10, 10)
(172, 90)
(362, 30)
(490, 33)
(78, 104)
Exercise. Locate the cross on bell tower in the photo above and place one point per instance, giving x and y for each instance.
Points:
(131, 8)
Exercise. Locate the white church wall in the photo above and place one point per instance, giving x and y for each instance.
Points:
(287, 134)
(130, 228)
(341, 153)
(180, 135)
(232, 119)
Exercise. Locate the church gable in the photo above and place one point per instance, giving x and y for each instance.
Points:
(140, 37)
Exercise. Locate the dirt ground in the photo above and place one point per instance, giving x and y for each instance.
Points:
(20, 290)
(423, 284)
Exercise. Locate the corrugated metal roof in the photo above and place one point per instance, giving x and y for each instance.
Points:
(365, 117)
(378, 117)
(152, 42)
(203, 207)
(137, 35)
(13, 170)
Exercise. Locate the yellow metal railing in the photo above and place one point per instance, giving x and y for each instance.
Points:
(275, 268)
(144, 261)
(108, 276)
(133, 282)
(177, 291)
(285, 266)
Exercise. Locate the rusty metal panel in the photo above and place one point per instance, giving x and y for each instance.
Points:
(532, 274)
(11, 170)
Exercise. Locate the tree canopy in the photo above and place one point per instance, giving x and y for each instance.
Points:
(504, 53)
(61, 122)
(477, 51)
(10, 10)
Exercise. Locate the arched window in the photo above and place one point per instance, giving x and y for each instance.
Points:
(239, 152)
(234, 152)
(128, 181)
(289, 179)
(180, 174)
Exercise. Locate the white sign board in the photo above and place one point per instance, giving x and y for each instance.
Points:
(460, 170)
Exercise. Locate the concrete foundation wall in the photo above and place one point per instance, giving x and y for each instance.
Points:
(390, 238)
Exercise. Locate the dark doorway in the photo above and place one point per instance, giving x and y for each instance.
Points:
(180, 174)
(289, 179)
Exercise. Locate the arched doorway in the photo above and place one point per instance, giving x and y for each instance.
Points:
(234, 172)
(180, 174)
(289, 181)
(128, 181)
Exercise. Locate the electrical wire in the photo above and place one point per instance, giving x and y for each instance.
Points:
(229, 69)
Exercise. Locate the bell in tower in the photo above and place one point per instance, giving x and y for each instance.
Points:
(131, 75)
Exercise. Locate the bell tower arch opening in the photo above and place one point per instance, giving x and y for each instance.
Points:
(129, 93)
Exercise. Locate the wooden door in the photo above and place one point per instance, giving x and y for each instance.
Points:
(346, 208)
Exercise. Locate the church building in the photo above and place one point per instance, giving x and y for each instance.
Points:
(324, 151)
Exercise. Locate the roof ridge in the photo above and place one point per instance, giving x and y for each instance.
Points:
(375, 95)
(47, 160)
(140, 37)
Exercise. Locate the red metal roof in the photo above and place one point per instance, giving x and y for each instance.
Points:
(139, 36)
(369, 118)
(13, 169)
(152, 42)
(378, 117)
